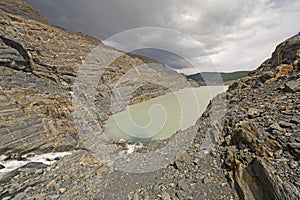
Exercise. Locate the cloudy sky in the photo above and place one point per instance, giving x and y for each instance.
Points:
(189, 35)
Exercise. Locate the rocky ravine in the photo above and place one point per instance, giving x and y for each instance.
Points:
(257, 151)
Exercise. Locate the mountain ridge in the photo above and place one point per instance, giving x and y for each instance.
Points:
(217, 78)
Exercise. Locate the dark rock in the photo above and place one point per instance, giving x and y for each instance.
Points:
(155, 187)
(266, 76)
(179, 164)
(182, 185)
(276, 126)
(52, 186)
(292, 86)
(295, 120)
(36, 165)
(20, 196)
(276, 132)
(233, 86)
(293, 164)
(181, 194)
(206, 180)
(285, 124)
(294, 145)
(165, 196)
(253, 112)
(2, 166)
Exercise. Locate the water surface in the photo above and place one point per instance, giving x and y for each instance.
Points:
(161, 117)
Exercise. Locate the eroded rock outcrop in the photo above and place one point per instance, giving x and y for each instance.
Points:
(262, 131)
(39, 64)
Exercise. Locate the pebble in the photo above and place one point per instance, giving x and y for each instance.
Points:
(228, 139)
(183, 185)
(181, 194)
(39, 171)
(135, 196)
(165, 196)
(295, 120)
(293, 164)
(288, 134)
(253, 112)
(266, 76)
(275, 126)
(20, 196)
(62, 190)
(206, 180)
(277, 133)
(294, 145)
(147, 197)
(285, 124)
(292, 86)
(51, 185)
(130, 195)
(154, 187)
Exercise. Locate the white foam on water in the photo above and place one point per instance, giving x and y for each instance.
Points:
(47, 159)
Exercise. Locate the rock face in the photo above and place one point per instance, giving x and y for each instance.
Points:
(262, 152)
(38, 68)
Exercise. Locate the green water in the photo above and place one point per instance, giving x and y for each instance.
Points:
(161, 117)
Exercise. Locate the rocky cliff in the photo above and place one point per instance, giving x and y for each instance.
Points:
(255, 124)
(38, 68)
(261, 134)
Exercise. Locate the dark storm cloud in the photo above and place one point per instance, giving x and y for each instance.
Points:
(172, 60)
(235, 34)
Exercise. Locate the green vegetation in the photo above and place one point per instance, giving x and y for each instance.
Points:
(215, 78)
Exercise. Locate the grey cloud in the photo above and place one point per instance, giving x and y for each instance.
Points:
(235, 34)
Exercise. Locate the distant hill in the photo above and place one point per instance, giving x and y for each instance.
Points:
(216, 78)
